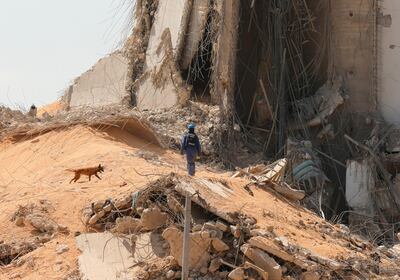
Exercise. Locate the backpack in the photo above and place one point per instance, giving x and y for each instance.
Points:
(190, 140)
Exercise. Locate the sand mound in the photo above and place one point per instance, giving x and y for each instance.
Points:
(34, 170)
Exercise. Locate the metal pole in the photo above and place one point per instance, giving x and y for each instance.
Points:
(186, 238)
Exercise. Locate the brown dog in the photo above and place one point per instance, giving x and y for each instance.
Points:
(86, 171)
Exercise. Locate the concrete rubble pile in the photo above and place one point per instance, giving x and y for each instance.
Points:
(271, 176)
(44, 229)
(372, 185)
(223, 245)
(167, 126)
(10, 119)
(171, 123)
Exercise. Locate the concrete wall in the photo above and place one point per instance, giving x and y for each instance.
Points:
(352, 51)
(104, 84)
(161, 86)
(172, 15)
(389, 60)
(225, 50)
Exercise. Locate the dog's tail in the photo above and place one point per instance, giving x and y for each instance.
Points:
(70, 170)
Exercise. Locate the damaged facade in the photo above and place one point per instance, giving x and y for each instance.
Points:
(310, 81)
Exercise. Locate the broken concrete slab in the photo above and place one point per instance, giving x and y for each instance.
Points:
(264, 275)
(195, 31)
(215, 264)
(174, 204)
(199, 247)
(104, 257)
(42, 223)
(263, 261)
(331, 264)
(215, 187)
(285, 190)
(96, 217)
(359, 184)
(151, 97)
(192, 189)
(147, 247)
(237, 274)
(171, 15)
(104, 84)
(271, 248)
(161, 86)
(317, 108)
(153, 218)
(127, 225)
(219, 245)
(222, 226)
(274, 172)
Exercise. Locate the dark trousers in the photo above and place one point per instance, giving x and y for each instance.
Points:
(190, 158)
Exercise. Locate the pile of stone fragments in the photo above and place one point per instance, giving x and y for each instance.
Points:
(222, 245)
(168, 125)
(44, 229)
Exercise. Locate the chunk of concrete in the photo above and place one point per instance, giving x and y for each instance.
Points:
(332, 264)
(62, 248)
(172, 16)
(127, 225)
(215, 264)
(199, 247)
(104, 84)
(264, 244)
(222, 226)
(264, 275)
(288, 192)
(153, 218)
(42, 223)
(264, 261)
(235, 230)
(158, 89)
(151, 97)
(237, 274)
(214, 231)
(219, 245)
(359, 184)
(19, 221)
(170, 274)
(147, 247)
(96, 217)
(195, 31)
(104, 257)
(174, 204)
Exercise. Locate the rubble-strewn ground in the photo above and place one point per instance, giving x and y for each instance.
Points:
(169, 125)
(43, 212)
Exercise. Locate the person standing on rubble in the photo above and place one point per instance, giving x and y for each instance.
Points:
(190, 144)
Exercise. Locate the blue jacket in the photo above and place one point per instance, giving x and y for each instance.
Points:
(184, 146)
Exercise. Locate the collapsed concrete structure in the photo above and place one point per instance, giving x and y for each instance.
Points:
(226, 241)
(314, 71)
(104, 84)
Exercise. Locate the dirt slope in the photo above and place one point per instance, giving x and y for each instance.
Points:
(34, 170)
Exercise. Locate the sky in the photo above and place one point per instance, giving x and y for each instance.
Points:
(45, 44)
